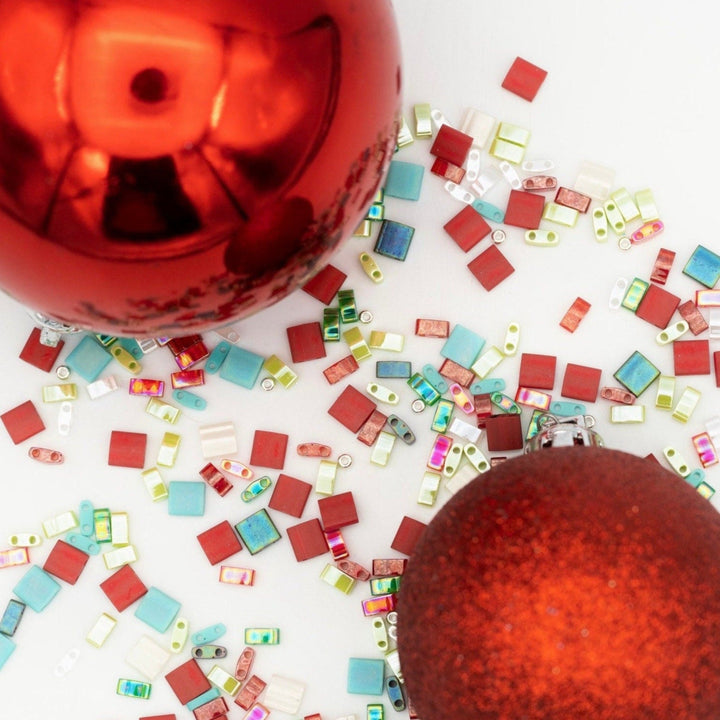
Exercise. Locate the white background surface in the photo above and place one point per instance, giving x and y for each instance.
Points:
(630, 86)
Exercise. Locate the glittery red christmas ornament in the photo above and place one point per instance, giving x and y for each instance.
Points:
(175, 165)
(568, 583)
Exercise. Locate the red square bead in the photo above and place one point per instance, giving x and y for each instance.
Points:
(504, 432)
(169, 716)
(127, 449)
(188, 681)
(306, 342)
(219, 542)
(524, 79)
(407, 535)
(66, 562)
(692, 357)
(524, 209)
(123, 588)
(491, 267)
(451, 145)
(39, 355)
(467, 228)
(657, 306)
(307, 540)
(352, 408)
(268, 449)
(716, 365)
(337, 511)
(325, 284)
(447, 170)
(22, 422)
(290, 495)
(581, 382)
(537, 371)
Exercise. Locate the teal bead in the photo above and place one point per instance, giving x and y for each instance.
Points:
(186, 498)
(206, 697)
(366, 676)
(217, 357)
(257, 531)
(36, 588)
(462, 346)
(189, 400)
(404, 180)
(88, 359)
(637, 373)
(157, 609)
(703, 266)
(241, 367)
(487, 386)
(7, 647)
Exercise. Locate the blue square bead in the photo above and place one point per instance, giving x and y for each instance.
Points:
(463, 346)
(157, 609)
(186, 498)
(703, 266)
(257, 531)
(7, 646)
(88, 359)
(37, 588)
(365, 676)
(637, 373)
(404, 180)
(394, 239)
(241, 367)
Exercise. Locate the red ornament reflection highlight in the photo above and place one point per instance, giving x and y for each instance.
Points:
(176, 166)
(571, 582)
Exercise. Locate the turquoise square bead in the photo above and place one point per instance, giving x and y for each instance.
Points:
(365, 676)
(37, 588)
(257, 531)
(88, 359)
(404, 180)
(463, 346)
(157, 609)
(703, 266)
(7, 646)
(186, 498)
(241, 367)
(637, 373)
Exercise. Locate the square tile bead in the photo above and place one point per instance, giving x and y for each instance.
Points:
(22, 422)
(41, 356)
(703, 266)
(36, 588)
(394, 239)
(408, 533)
(451, 145)
(188, 681)
(352, 409)
(691, 357)
(366, 676)
(490, 268)
(504, 432)
(524, 209)
(186, 498)
(337, 511)
(219, 542)
(7, 647)
(716, 367)
(324, 285)
(581, 382)
(127, 449)
(307, 540)
(66, 562)
(157, 609)
(524, 79)
(657, 306)
(257, 531)
(88, 359)
(289, 495)
(269, 449)
(467, 228)
(123, 588)
(537, 371)
(241, 367)
(306, 342)
(463, 346)
(637, 373)
(167, 716)
(404, 180)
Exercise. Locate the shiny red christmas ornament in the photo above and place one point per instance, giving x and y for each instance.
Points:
(568, 583)
(174, 165)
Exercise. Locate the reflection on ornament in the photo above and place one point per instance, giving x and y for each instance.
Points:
(567, 583)
(175, 166)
